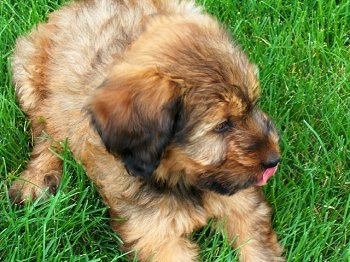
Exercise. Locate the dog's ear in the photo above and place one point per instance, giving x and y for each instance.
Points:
(135, 114)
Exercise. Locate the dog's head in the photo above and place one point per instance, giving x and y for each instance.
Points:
(183, 103)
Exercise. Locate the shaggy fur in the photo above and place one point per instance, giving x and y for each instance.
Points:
(160, 106)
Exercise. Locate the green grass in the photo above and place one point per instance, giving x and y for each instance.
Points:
(303, 51)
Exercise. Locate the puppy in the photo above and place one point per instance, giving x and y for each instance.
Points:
(160, 107)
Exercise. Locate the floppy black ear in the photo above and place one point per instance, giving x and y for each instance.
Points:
(135, 116)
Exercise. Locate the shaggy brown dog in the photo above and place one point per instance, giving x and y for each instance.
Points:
(160, 106)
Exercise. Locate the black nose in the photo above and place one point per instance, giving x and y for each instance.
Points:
(272, 160)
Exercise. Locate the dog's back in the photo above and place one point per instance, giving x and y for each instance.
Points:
(68, 57)
(75, 48)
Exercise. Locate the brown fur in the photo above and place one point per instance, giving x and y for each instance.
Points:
(160, 106)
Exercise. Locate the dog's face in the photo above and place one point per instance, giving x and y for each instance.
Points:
(183, 102)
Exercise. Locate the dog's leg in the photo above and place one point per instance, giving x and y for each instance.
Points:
(248, 223)
(155, 240)
(169, 249)
(42, 175)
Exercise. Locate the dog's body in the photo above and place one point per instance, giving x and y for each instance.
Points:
(160, 107)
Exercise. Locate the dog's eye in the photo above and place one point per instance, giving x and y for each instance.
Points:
(223, 126)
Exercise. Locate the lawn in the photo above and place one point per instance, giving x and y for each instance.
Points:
(303, 51)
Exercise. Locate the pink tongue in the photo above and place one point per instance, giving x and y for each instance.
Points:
(267, 174)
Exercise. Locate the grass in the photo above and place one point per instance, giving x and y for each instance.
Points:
(303, 51)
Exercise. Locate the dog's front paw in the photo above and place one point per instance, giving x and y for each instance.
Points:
(30, 186)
